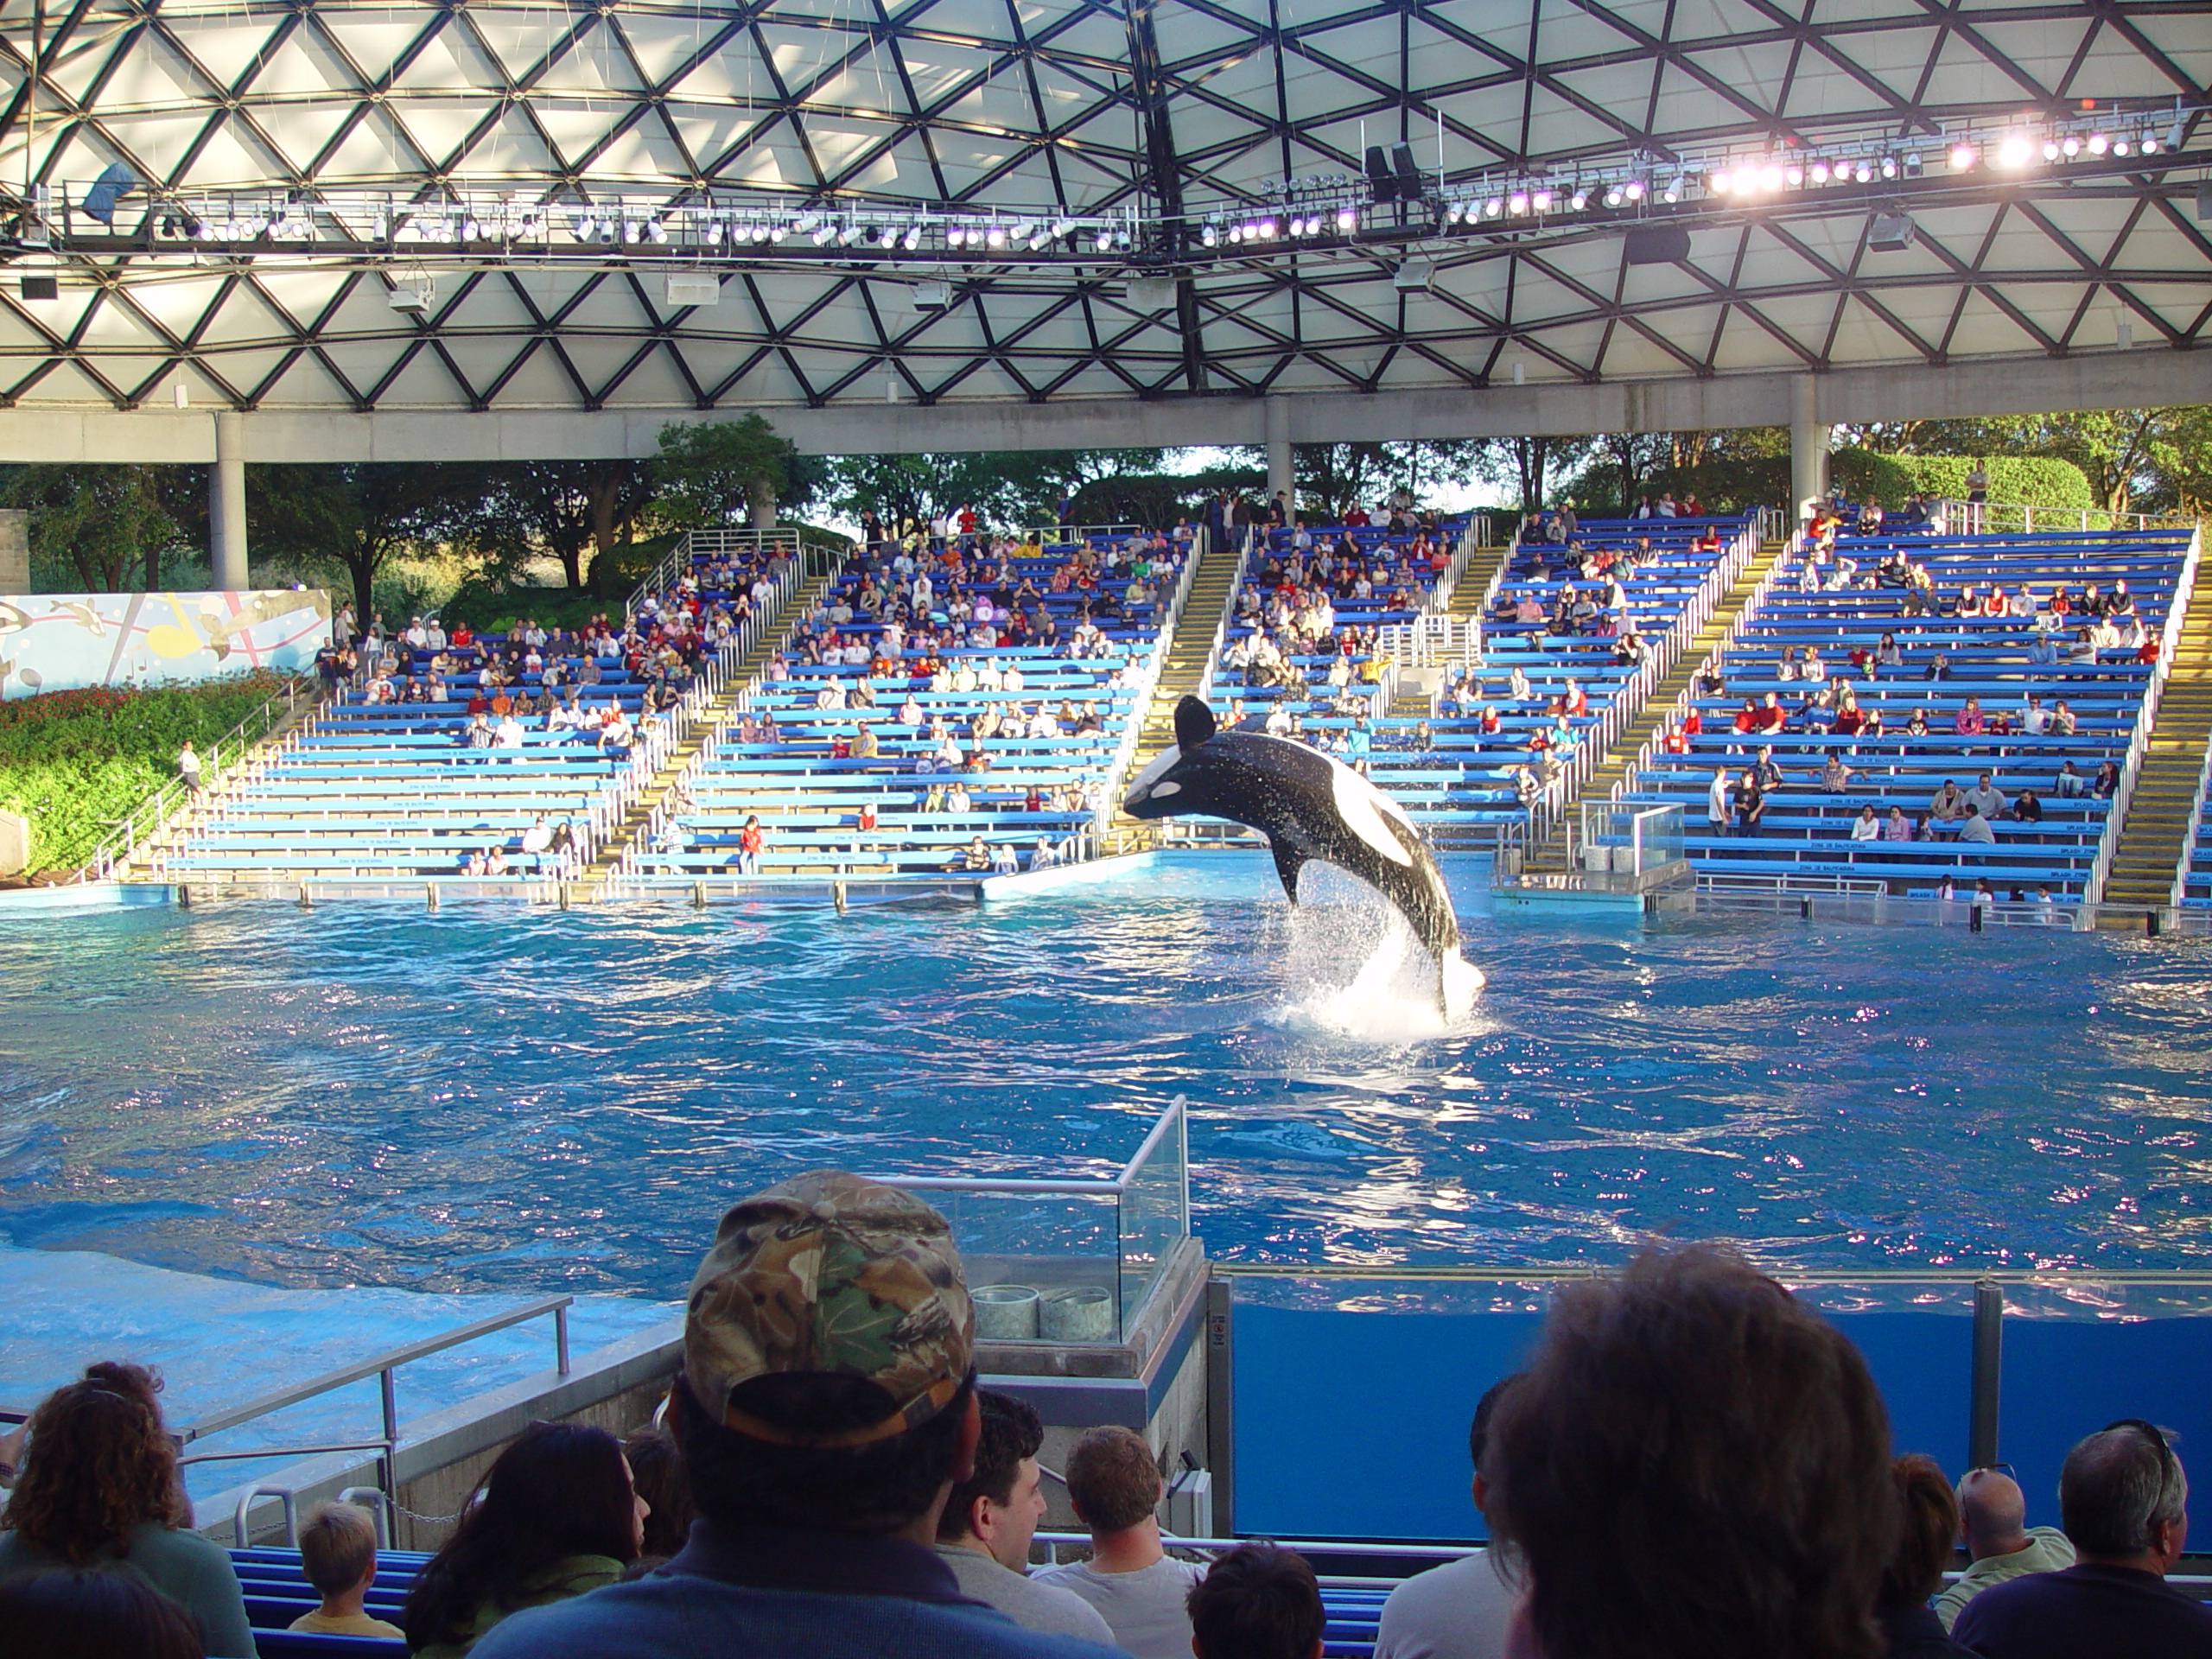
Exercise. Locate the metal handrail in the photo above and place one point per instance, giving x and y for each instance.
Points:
(1469, 1273)
(383, 1365)
(1973, 517)
(116, 849)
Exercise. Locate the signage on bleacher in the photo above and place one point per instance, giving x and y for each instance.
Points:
(65, 642)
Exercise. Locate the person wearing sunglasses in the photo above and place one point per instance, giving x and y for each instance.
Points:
(2123, 1497)
(1993, 1524)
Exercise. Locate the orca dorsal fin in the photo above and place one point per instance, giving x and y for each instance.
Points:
(1193, 724)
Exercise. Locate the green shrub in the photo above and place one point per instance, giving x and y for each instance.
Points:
(76, 763)
(2032, 480)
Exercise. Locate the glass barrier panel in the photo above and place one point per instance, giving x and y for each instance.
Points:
(1041, 1266)
(1155, 1209)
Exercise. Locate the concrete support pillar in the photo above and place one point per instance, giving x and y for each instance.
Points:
(227, 503)
(1281, 475)
(1808, 444)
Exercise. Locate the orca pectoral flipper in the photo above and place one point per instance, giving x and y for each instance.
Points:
(1288, 861)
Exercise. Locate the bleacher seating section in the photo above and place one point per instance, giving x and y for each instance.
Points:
(1012, 791)
(276, 1593)
(2197, 890)
(390, 789)
(1451, 773)
(1806, 829)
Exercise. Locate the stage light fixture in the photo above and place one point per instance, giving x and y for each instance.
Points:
(1579, 200)
(1347, 220)
(1889, 167)
(2150, 144)
(1613, 196)
(1493, 207)
(1673, 193)
(1267, 230)
(1542, 201)
(1633, 189)
(1793, 177)
(2070, 146)
(1209, 236)
(1963, 156)
(2120, 147)
(1105, 244)
(2015, 151)
(1721, 182)
(1863, 173)
(1518, 202)
(2099, 143)
(1820, 172)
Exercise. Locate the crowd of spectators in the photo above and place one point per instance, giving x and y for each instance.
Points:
(1694, 1462)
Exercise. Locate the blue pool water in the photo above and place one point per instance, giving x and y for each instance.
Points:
(506, 1098)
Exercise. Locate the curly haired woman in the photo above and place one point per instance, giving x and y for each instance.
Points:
(99, 1489)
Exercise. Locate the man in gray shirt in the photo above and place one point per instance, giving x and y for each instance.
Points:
(984, 1533)
(1143, 1592)
(1460, 1610)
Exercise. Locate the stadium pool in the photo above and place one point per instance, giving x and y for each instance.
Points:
(509, 1098)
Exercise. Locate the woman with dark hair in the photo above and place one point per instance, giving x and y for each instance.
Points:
(1928, 1516)
(557, 1515)
(99, 1489)
(113, 1615)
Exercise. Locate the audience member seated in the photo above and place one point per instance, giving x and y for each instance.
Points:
(1257, 1602)
(1695, 1463)
(338, 1553)
(1464, 1609)
(558, 1516)
(657, 1471)
(2123, 1497)
(825, 1409)
(63, 1615)
(99, 1489)
(1114, 1483)
(1993, 1524)
(988, 1523)
(1927, 1518)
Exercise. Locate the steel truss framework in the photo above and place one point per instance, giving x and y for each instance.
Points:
(1154, 109)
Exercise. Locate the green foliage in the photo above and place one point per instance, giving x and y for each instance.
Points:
(76, 763)
(1334, 478)
(711, 475)
(616, 572)
(100, 529)
(2032, 480)
(356, 515)
(1009, 490)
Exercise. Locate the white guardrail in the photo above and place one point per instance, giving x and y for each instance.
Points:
(2146, 722)
(1595, 743)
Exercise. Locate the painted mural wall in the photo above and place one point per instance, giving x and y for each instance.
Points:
(64, 642)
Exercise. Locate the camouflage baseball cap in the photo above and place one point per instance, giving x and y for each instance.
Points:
(831, 1273)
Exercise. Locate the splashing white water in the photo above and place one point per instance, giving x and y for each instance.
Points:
(1395, 992)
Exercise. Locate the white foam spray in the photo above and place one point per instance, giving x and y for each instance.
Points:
(1354, 969)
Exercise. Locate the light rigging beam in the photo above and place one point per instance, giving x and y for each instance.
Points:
(1148, 88)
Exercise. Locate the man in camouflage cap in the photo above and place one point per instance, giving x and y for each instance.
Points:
(826, 1407)
(830, 1274)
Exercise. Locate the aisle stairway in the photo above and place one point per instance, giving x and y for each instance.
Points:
(2161, 816)
(1183, 671)
(1650, 721)
(636, 821)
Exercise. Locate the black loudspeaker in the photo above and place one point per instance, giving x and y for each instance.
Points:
(2204, 200)
(1409, 184)
(41, 287)
(1380, 179)
(1658, 244)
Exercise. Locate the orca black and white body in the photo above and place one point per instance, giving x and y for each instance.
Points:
(1310, 808)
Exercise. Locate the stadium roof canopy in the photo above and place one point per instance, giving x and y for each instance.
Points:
(649, 205)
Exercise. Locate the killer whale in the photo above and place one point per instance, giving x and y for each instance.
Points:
(1310, 808)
